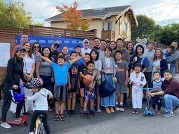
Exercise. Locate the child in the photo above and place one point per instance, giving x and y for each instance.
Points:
(73, 85)
(82, 69)
(137, 79)
(157, 86)
(41, 104)
(61, 77)
(168, 54)
(89, 91)
(122, 80)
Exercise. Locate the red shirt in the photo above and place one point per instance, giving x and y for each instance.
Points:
(172, 87)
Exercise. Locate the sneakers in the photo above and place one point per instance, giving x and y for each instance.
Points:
(81, 110)
(92, 112)
(121, 108)
(169, 115)
(17, 119)
(5, 125)
(31, 133)
(73, 113)
(85, 115)
(69, 113)
(62, 117)
(98, 110)
(56, 117)
(158, 112)
(117, 107)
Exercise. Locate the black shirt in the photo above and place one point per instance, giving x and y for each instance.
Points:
(74, 70)
(15, 71)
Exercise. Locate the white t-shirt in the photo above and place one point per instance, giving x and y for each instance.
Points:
(28, 64)
(83, 51)
(98, 67)
(108, 64)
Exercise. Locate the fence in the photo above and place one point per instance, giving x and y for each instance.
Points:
(8, 35)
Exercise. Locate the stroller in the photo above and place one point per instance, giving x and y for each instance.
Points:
(148, 110)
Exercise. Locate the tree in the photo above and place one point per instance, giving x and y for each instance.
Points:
(14, 15)
(167, 34)
(73, 17)
(145, 27)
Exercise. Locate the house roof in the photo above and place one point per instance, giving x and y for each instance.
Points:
(103, 13)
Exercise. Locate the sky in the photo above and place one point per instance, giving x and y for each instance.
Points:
(162, 11)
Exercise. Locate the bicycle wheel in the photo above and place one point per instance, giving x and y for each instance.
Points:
(40, 129)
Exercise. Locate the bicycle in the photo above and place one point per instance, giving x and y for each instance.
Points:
(39, 125)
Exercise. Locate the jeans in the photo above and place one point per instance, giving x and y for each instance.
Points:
(169, 102)
(44, 120)
(172, 69)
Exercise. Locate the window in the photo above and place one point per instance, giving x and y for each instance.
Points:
(109, 26)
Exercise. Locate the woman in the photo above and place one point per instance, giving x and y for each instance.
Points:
(95, 58)
(45, 72)
(113, 45)
(108, 72)
(12, 79)
(28, 70)
(130, 48)
(36, 48)
(139, 58)
(159, 64)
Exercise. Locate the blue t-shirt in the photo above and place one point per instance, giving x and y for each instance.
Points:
(61, 73)
(80, 62)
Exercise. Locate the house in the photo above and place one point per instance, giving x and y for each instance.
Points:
(110, 22)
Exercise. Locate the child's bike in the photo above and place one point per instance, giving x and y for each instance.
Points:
(39, 125)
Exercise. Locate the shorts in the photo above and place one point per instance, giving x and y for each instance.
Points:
(74, 85)
(89, 95)
(60, 92)
(121, 88)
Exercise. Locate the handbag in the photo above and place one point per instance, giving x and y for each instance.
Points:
(106, 88)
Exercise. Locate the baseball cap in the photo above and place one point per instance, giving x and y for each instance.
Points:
(85, 40)
(19, 48)
(78, 46)
(56, 44)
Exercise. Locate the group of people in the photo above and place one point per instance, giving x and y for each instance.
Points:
(128, 69)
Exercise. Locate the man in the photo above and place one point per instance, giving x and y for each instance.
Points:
(54, 50)
(102, 49)
(65, 53)
(125, 53)
(143, 42)
(96, 43)
(149, 53)
(24, 38)
(86, 46)
(170, 92)
(174, 57)
(108, 42)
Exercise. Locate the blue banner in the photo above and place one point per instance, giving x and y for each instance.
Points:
(71, 43)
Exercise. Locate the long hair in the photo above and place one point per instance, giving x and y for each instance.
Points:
(49, 56)
(39, 47)
(161, 54)
(30, 51)
(96, 52)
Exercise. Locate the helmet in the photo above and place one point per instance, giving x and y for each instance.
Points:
(36, 82)
(18, 95)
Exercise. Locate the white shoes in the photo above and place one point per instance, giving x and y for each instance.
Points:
(5, 125)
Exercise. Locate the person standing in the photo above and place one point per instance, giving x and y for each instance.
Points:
(174, 57)
(24, 38)
(12, 79)
(54, 50)
(96, 43)
(108, 72)
(65, 53)
(86, 46)
(102, 48)
(149, 53)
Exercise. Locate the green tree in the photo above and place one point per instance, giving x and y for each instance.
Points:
(14, 15)
(167, 34)
(145, 27)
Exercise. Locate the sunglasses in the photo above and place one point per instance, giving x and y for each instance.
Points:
(24, 37)
(36, 47)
